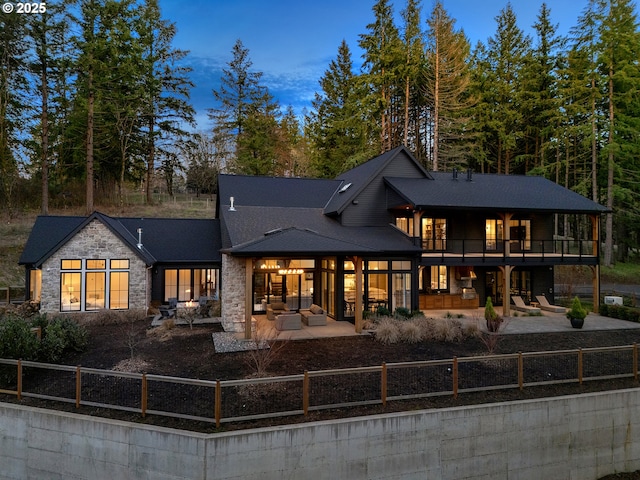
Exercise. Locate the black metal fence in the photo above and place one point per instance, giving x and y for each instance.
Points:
(257, 398)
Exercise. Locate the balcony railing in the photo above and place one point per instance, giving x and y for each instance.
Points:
(515, 250)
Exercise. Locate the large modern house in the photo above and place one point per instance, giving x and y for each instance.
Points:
(385, 234)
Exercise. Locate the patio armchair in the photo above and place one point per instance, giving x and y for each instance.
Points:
(288, 321)
(314, 316)
(276, 308)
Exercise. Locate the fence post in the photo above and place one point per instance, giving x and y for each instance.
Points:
(19, 379)
(305, 393)
(580, 366)
(143, 406)
(78, 386)
(635, 362)
(520, 371)
(383, 384)
(455, 377)
(218, 403)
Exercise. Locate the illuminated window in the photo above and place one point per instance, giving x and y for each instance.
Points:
(118, 290)
(439, 277)
(434, 234)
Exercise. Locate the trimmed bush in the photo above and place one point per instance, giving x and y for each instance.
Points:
(18, 340)
(620, 312)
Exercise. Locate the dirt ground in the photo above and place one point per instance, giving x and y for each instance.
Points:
(185, 352)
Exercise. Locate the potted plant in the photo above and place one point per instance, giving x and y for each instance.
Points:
(577, 313)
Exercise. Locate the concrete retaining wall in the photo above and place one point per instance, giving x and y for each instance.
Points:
(575, 438)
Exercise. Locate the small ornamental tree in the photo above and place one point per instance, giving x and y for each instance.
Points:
(577, 311)
(491, 316)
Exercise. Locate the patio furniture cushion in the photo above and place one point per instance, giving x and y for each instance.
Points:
(288, 321)
(520, 305)
(276, 308)
(545, 305)
(316, 309)
(314, 316)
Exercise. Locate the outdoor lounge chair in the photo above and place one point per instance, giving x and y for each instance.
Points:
(545, 305)
(520, 305)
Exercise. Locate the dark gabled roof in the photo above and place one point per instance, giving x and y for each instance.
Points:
(278, 231)
(356, 179)
(515, 193)
(163, 240)
(179, 240)
(275, 191)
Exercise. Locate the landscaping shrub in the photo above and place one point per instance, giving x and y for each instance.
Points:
(620, 312)
(18, 339)
(387, 331)
(410, 331)
(402, 312)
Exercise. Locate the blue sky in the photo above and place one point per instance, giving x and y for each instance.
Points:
(293, 41)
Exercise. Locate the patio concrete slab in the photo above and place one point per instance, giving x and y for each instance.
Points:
(545, 323)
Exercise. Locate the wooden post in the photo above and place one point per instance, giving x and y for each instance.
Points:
(580, 366)
(19, 380)
(383, 384)
(218, 403)
(357, 262)
(305, 393)
(78, 386)
(248, 300)
(143, 406)
(455, 377)
(520, 371)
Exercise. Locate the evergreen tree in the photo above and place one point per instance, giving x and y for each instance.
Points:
(619, 52)
(448, 79)
(335, 127)
(246, 113)
(541, 105)
(166, 87)
(506, 55)
(413, 80)
(383, 60)
(13, 109)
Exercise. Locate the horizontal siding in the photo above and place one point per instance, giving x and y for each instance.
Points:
(371, 206)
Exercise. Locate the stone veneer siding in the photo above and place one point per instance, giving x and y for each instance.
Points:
(95, 241)
(233, 293)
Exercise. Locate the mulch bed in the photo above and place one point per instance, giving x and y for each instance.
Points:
(186, 352)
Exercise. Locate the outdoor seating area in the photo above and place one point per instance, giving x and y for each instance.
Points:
(522, 307)
(315, 316)
(288, 321)
(545, 305)
(276, 308)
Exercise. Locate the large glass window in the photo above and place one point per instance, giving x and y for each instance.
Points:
(190, 284)
(520, 233)
(439, 278)
(434, 234)
(405, 224)
(401, 285)
(94, 284)
(118, 290)
(70, 290)
(95, 289)
(493, 234)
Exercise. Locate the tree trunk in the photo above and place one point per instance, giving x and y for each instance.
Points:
(44, 210)
(608, 242)
(90, 102)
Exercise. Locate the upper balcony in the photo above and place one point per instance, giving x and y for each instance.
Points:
(471, 251)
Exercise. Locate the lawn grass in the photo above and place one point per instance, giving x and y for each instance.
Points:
(14, 232)
(621, 273)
